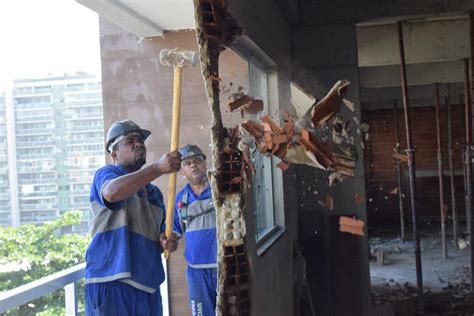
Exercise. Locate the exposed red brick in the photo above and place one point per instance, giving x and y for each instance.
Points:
(331, 103)
(350, 225)
(400, 157)
(280, 139)
(254, 107)
(254, 129)
(232, 106)
(274, 127)
(323, 155)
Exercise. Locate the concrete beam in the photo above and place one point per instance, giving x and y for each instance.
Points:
(417, 74)
(425, 41)
(383, 98)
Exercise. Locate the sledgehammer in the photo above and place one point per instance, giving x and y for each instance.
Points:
(177, 58)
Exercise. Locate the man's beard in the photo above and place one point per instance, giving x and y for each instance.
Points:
(198, 179)
(139, 162)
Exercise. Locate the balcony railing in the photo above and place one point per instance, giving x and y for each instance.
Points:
(66, 279)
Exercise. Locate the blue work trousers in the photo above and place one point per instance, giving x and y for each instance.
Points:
(202, 284)
(118, 298)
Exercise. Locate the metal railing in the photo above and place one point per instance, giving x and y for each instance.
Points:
(66, 279)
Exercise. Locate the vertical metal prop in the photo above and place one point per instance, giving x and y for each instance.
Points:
(467, 160)
(442, 207)
(411, 168)
(463, 157)
(451, 170)
(399, 174)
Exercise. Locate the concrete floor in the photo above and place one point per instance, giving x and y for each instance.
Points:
(396, 279)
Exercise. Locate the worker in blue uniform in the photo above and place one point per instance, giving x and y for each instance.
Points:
(123, 261)
(195, 219)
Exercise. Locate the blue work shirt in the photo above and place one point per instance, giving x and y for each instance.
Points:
(125, 235)
(196, 219)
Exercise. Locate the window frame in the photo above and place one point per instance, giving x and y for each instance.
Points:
(263, 83)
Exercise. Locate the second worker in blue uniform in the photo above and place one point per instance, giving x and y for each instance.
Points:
(195, 219)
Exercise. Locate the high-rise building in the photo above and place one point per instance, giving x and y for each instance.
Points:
(54, 143)
(5, 209)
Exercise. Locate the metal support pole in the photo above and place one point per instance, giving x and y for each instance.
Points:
(467, 161)
(442, 207)
(451, 170)
(463, 157)
(70, 296)
(411, 168)
(399, 174)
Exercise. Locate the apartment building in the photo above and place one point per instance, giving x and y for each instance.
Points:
(53, 143)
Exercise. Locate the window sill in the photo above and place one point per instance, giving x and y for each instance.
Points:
(264, 243)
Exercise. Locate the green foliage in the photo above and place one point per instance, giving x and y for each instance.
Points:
(40, 251)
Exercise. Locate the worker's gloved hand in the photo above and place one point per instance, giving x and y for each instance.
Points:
(170, 244)
(169, 162)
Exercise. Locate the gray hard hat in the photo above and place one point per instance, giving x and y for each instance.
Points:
(124, 128)
(189, 151)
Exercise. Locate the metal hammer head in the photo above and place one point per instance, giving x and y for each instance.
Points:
(178, 57)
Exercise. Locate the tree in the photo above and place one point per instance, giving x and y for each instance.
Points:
(40, 251)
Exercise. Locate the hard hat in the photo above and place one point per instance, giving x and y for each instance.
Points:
(189, 151)
(123, 128)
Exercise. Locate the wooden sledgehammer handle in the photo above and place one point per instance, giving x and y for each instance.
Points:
(174, 146)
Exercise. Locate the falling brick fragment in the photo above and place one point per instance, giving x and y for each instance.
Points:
(350, 225)
(288, 127)
(335, 177)
(283, 165)
(331, 103)
(359, 198)
(349, 104)
(299, 144)
(323, 156)
(232, 106)
(273, 126)
(400, 157)
(254, 129)
(329, 202)
(462, 244)
(280, 139)
(347, 171)
(254, 107)
(394, 191)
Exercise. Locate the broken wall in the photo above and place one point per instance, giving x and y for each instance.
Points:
(136, 86)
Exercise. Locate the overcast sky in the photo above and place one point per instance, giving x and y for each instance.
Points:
(47, 36)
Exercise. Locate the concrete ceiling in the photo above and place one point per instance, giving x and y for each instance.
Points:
(145, 18)
(435, 47)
